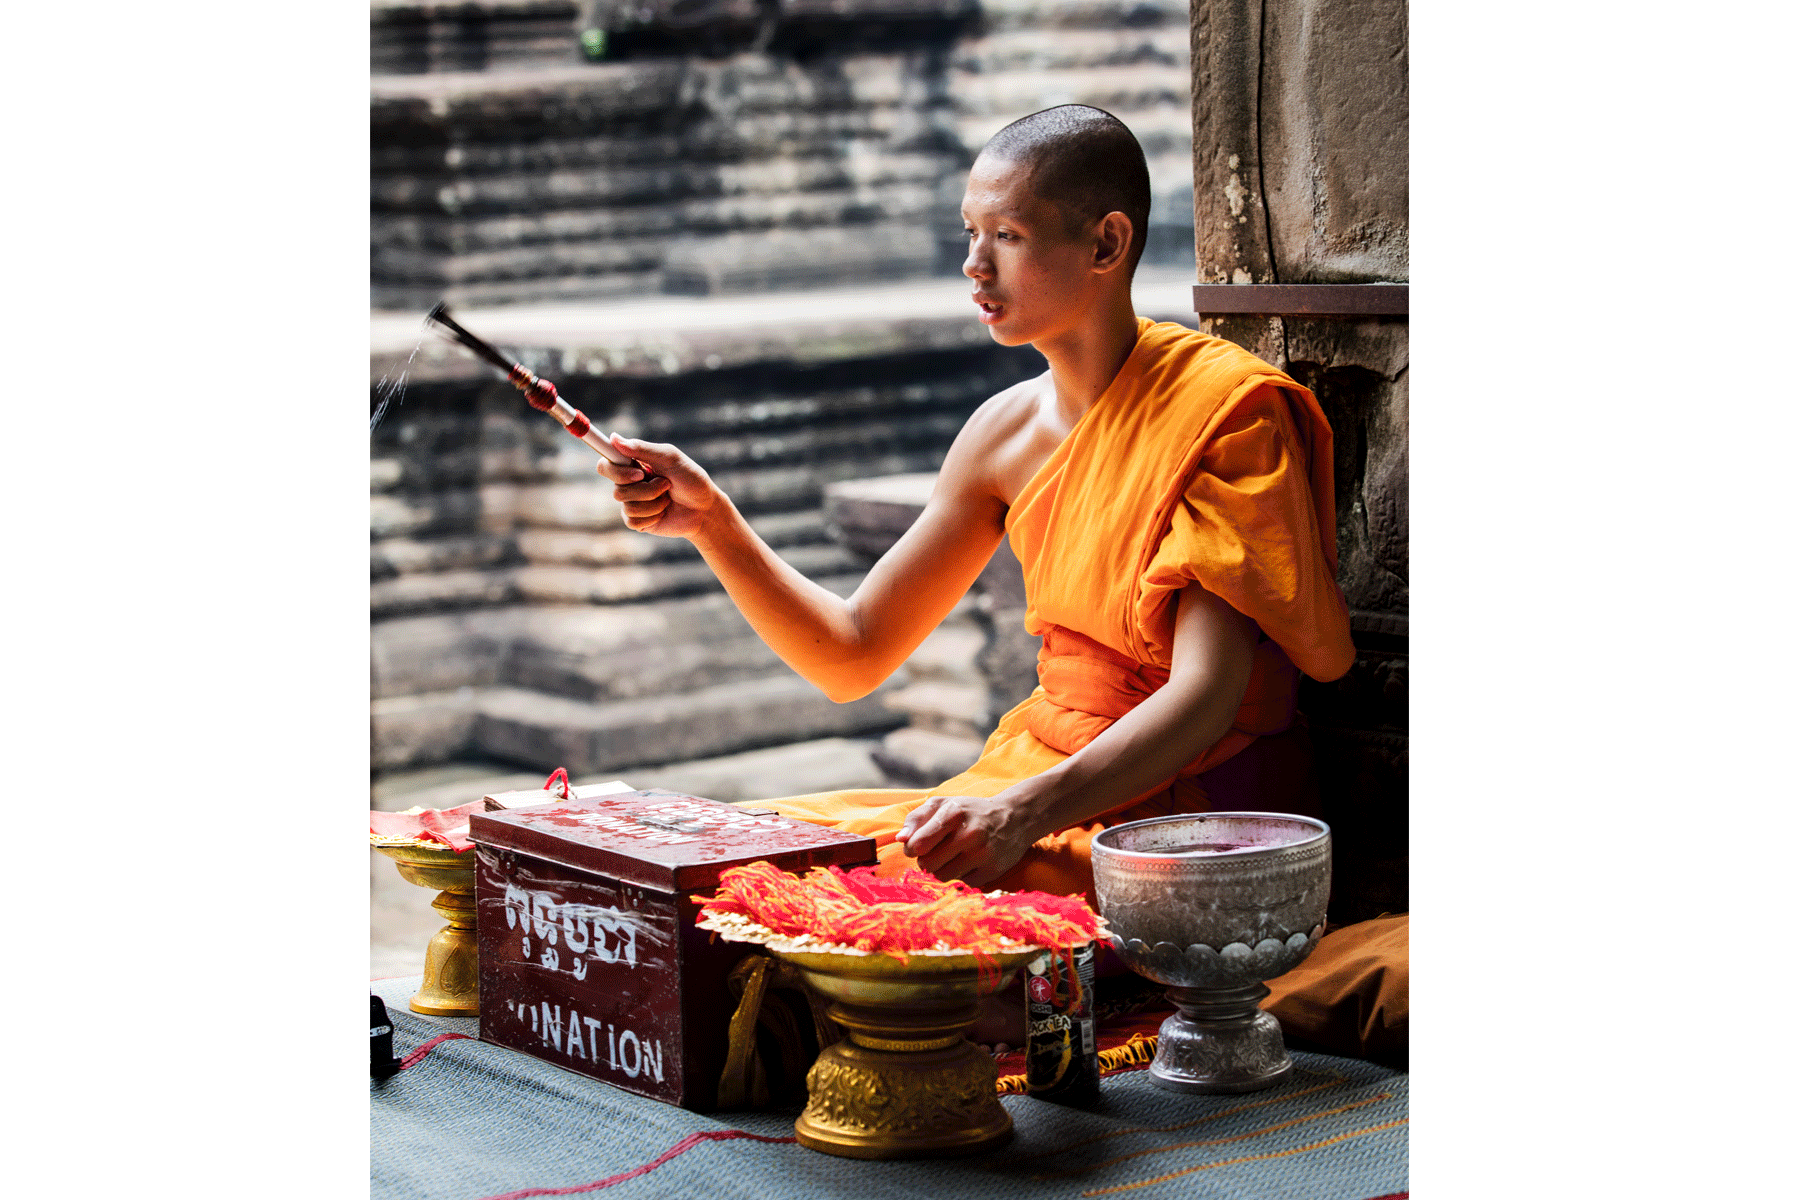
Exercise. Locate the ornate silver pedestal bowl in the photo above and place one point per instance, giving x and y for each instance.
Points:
(1212, 904)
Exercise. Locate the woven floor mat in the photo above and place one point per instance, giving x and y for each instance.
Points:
(471, 1121)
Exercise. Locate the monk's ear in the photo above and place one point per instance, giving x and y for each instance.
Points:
(1112, 241)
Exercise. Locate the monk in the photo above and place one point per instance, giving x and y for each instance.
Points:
(1170, 498)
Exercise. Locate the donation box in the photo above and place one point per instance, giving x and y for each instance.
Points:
(585, 931)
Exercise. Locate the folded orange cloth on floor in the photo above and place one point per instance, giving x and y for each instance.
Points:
(1351, 995)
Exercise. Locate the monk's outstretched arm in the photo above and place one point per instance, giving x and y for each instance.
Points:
(980, 839)
(846, 647)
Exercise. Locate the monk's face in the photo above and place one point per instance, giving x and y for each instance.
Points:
(1034, 276)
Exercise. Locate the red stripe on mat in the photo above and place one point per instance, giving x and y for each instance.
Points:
(682, 1147)
(1391, 1196)
(433, 1044)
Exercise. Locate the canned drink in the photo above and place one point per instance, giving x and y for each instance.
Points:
(1062, 1055)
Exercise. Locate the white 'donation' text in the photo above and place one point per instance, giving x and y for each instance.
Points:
(598, 1042)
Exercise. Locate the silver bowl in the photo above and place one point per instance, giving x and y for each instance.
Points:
(1213, 904)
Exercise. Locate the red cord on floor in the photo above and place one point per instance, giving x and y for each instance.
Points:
(428, 1047)
(682, 1147)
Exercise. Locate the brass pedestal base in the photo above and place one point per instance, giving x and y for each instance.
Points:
(452, 983)
(906, 1084)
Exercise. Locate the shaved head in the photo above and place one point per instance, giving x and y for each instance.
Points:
(1083, 160)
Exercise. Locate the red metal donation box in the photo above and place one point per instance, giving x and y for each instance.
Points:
(585, 931)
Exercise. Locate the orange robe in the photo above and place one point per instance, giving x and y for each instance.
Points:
(1199, 463)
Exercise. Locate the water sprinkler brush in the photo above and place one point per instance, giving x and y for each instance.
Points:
(539, 393)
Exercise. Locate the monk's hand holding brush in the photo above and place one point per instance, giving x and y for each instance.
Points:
(675, 501)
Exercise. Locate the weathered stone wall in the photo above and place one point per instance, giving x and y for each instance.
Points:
(1300, 176)
(834, 154)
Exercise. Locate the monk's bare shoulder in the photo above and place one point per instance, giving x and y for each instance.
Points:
(1010, 437)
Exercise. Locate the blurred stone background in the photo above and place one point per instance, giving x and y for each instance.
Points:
(732, 224)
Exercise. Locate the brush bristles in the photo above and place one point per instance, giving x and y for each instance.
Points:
(440, 315)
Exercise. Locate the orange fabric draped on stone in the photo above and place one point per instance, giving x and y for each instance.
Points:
(1200, 463)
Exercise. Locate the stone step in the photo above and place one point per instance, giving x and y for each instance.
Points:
(773, 496)
(869, 515)
(816, 459)
(956, 710)
(730, 263)
(663, 336)
(656, 96)
(520, 726)
(857, 440)
(586, 652)
(407, 36)
(824, 765)
(393, 234)
(438, 653)
(920, 758)
(792, 769)
(820, 407)
(947, 655)
(573, 259)
(448, 785)
(444, 591)
(574, 584)
(393, 557)
(1130, 93)
(1067, 49)
(731, 139)
(421, 729)
(801, 485)
(685, 191)
(521, 103)
(633, 651)
(621, 547)
(419, 297)
(452, 49)
(517, 725)
(619, 651)
(786, 259)
(1083, 14)
(615, 585)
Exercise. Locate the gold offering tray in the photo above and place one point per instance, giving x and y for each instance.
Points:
(803, 948)
(906, 1082)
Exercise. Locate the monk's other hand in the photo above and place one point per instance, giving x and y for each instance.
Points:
(976, 839)
(673, 501)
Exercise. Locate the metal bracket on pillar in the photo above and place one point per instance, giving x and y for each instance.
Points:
(1300, 299)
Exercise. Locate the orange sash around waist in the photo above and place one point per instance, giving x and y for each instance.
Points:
(1088, 685)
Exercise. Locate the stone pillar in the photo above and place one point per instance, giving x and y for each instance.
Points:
(1300, 177)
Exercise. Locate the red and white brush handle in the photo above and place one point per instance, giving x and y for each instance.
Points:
(541, 395)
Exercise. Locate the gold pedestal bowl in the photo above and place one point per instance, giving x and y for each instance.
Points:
(452, 984)
(905, 1082)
